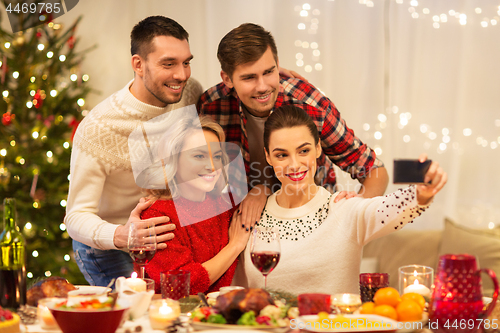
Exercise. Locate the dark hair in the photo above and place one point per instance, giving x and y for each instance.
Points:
(287, 116)
(143, 33)
(244, 44)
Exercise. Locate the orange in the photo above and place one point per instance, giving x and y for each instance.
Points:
(367, 308)
(387, 296)
(409, 310)
(386, 311)
(417, 298)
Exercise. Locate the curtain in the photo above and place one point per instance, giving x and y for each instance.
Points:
(407, 76)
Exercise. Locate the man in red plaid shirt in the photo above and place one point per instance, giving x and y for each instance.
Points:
(252, 87)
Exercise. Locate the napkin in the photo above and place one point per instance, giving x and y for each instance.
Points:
(138, 301)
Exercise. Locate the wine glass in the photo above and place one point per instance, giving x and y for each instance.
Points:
(142, 243)
(265, 250)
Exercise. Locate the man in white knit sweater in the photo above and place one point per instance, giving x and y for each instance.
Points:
(102, 191)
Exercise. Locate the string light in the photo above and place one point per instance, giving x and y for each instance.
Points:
(34, 253)
(3, 152)
(63, 204)
(7, 45)
(62, 226)
(5, 93)
(41, 47)
(85, 77)
(73, 77)
(29, 275)
(62, 58)
(15, 75)
(35, 135)
(48, 274)
(66, 145)
(67, 257)
(50, 54)
(80, 102)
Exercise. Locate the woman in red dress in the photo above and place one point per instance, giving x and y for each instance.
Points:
(208, 238)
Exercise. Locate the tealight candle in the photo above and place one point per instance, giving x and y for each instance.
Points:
(346, 303)
(136, 284)
(416, 279)
(418, 288)
(163, 312)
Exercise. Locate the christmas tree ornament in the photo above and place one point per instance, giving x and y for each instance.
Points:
(7, 118)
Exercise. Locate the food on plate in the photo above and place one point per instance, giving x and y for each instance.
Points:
(9, 322)
(234, 304)
(387, 296)
(409, 310)
(388, 303)
(86, 305)
(246, 307)
(54, 286)
(367, 308)
(419, 299)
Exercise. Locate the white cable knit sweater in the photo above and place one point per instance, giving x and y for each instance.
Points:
(322, 241)
(102, 190)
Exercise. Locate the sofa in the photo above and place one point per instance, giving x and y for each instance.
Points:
(423, 247)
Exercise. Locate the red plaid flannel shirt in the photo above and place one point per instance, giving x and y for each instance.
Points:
(340, 145)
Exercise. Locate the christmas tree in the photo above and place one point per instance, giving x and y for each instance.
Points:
(43, 93)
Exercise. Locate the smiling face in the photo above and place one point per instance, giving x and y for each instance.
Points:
(292, 154)
(256, 83)
(162, 76)
(199, 166)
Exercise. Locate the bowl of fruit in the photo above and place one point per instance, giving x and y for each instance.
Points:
(91, 315)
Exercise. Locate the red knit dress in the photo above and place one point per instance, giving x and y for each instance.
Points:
(193, 244)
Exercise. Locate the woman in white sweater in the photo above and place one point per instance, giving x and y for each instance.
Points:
(322, 241)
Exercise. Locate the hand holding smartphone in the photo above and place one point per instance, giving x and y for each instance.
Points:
(410, 171)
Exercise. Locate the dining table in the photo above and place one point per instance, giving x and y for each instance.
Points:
(142, 325)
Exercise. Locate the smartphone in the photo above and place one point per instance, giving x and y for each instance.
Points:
(408, 171)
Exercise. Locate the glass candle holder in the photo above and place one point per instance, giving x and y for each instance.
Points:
(150, 284)
(163, 312)
(346, 303)
(416, 279)
(44, 315)
(369, 283)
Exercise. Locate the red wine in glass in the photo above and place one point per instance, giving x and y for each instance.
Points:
(265, 261)
(142, 256)
(142, 243)
(265, 250)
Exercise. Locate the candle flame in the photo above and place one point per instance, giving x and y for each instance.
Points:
(416, 283)
(346, 298)
(134, 275)
(165, 309)
(415, 273)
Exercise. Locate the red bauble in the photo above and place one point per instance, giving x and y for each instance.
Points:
(37, 99)
(7, 118)
(71, 42)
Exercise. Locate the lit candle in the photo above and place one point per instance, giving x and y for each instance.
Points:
(346, 303)
(163, 312)
(136, 284)
(418, 288)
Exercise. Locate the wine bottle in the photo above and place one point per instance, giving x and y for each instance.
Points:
(12, 259)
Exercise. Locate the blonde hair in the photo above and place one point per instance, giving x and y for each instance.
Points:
(162, 175)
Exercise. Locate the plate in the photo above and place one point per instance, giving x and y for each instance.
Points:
(199, 326)
(412, 326)
(361, 323)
